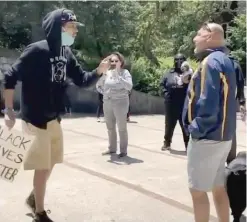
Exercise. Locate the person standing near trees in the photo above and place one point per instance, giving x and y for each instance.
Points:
(128, 114)
(100, 102)
(67, 100)
(174, 85)
(240, 98)
(1, 92)
(116, 84)
(43, 67)
(210, 117)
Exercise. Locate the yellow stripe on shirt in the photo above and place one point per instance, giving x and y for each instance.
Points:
(225, 91)
(192, 95)
(192, 82)
(203, 74)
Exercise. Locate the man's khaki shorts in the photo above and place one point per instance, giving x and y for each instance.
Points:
(47, 149)
(206, 163)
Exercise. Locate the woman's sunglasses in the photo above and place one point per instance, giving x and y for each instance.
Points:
(206, 27)
(112, 61)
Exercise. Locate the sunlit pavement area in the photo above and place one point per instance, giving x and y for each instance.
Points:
(147, 186)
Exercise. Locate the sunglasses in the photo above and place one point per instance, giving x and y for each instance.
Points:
(116, 61)
(206, 27)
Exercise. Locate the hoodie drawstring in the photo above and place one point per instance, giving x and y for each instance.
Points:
(62, 54)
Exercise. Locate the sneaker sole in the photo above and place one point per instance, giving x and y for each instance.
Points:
(31, 209)
(111, 153)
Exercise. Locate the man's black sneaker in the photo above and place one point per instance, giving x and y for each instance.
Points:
(122, 155)
(186, 145)
(30, 202)
(165, 147)
(108, 152)
(41, 217)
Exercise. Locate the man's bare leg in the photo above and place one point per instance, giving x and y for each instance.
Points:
(221, 203)
(31, 199)
(39, 184)
(200, 205)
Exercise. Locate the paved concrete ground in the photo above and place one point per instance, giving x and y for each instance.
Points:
(148, 186)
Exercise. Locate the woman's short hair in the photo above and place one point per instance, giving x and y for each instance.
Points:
(120, 57)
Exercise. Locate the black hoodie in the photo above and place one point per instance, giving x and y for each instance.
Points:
(173, 93)
(240, 81)
(43, 68)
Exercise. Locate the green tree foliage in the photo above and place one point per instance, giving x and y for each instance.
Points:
(147, 33)
(237, 38)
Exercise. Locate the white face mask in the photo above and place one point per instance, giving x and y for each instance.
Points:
(67, 39)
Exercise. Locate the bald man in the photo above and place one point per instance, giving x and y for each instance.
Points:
(209, 115)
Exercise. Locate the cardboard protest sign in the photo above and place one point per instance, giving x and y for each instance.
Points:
(14, 146)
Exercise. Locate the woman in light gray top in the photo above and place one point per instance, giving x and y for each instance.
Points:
(115, 86)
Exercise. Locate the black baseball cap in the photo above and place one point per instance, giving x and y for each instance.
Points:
(69, 16)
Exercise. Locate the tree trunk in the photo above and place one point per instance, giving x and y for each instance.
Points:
(147, 46)
(98, 46)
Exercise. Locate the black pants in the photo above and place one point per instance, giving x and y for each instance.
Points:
(2, 105)
(100, 105)
(128, 114)
(233, 152)
(67, 103)
(173, 114)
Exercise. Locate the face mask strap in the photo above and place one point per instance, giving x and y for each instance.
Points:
(62, 50)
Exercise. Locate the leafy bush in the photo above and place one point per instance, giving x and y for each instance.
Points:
(145, 76)
(237, 39)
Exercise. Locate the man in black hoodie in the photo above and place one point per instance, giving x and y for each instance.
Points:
(241, 99)
(174, 85)
(42, 68)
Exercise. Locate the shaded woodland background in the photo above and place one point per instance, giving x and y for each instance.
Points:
(147, 33)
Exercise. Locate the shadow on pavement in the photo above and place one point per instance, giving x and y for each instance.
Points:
(127, 160)
(103, 121)
(131, 121)
(178, 152)
(29, 215)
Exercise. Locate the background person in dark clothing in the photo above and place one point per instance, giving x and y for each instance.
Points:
(100, 91)
(100, 106)
(128, 114)
(67, 101)
(67, 104)
(241, 99)
(1, 93)
(174, 86)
